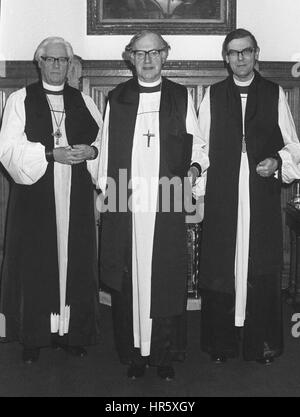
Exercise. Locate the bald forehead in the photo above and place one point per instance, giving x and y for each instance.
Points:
(149, 41)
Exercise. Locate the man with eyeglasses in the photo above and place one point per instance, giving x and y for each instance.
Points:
(253, 146)
(150, 135)
(49, 142)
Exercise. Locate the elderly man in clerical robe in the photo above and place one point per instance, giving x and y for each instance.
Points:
(150, 134)
(253, 144)
(49, 292)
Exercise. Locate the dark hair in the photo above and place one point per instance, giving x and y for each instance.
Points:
(237, 34)
(135, 38)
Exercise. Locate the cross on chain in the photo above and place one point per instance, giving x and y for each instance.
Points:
(149, 136)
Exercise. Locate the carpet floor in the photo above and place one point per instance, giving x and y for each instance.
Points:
(101, 375)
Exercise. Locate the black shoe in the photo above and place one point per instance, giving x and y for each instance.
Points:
(166, 372)
(56, 346)
(136, 371)
(218, 359)
(77, 351)
(30, 355)
(265, 361)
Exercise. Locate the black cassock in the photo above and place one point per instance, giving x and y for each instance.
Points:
(30, 291)
(169, 257)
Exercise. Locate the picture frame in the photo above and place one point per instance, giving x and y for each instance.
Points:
(172, 17)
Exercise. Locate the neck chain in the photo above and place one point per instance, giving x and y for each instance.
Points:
(57, 134)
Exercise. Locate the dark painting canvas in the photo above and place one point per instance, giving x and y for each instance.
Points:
(166, 16)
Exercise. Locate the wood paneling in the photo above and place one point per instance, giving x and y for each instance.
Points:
(99, 77)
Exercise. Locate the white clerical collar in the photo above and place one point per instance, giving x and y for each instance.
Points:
(53, 87)
(243, 83)
(153, 84)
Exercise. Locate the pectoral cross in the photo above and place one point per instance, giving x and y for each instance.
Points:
(149, 136)
(57, 135)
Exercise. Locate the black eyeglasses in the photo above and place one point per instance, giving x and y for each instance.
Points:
(62, 60)
(153, 53)
(246, 53)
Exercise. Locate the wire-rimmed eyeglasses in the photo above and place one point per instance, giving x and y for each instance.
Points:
(62, 60)
(141, 54)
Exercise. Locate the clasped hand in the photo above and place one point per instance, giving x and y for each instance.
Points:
(267, 167)
(73, 155)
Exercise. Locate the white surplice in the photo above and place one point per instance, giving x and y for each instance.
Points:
(243, 227)
(290, 155)
(144, 179)
(26, 163)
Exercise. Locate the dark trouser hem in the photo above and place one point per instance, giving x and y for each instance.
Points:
(162, 339)
(168, 333)
(218, 334)
(42, 337)
(262, 332)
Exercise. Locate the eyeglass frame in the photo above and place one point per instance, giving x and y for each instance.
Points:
(62, 60)
(233, 53)
(147, 53)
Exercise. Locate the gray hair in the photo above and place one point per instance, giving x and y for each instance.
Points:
(52, 40)
(135, 38)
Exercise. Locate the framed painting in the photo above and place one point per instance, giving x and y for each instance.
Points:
(174, 17)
